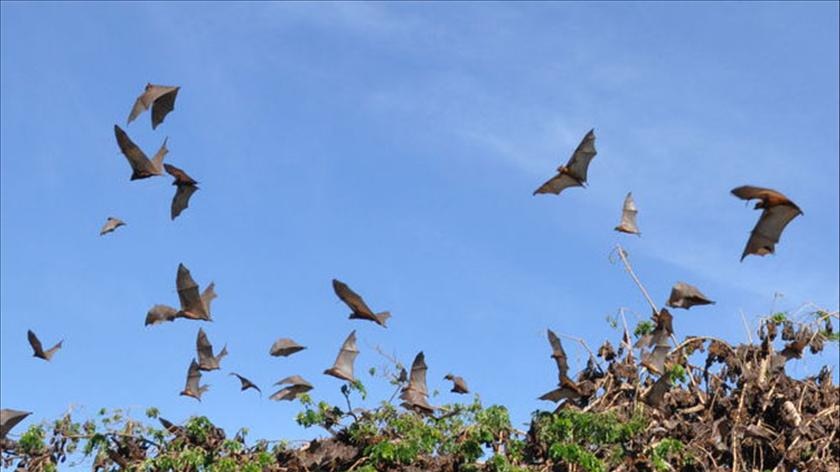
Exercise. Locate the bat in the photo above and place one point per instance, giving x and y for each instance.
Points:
(573, 174)
(664, 328)
(192, 305)
(110, 225)
(777, 212)
(686, 296)
(246, 384)
(38, 349)
(655, 360)
(296, 386)
(170, 427)
(568, 388)
(657, 392)
(417, 377)
(207, 296)
(628, 217)
(160, 313)
(343, 366)
(285, 347)
(413, 400)
(141, 166)
(357, 304)
(206, 360)
(192, 389)
(9, 419)
(160, 97)
(458, 384)
(185, 187)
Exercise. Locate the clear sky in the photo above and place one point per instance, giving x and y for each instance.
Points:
(395, 147)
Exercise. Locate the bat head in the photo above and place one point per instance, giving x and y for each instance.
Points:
(448, 377)
(759, 205)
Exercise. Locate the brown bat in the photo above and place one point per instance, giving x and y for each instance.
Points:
(110, 225)
(686, 296)
(343, 367)
(246, 384)
(186, 186)
(193, 305)
(206, 360)
(285, 347)
(628, 217)
(192, 389)
(38, 349)
(9, 419)
(296, 386)
(573, 174)
(413, 400)
(417, 378)
(658, 341)
(354, 301)
(459, 385)
(160, 97)
(568, 388)
(657, 392)
(777, 212)
(141, 166)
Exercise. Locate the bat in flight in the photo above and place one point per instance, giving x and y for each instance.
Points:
(141, 166)
(9, 419)
(296, 386)
(777, 212)
(628, 217)
(658, 342)
(360, 309)
(110, 225)
(186, 186)
(206, 360)
(285, 347)
(343, 366)
(38, 349)
(160, 97)
(459, 385)
(567, 387)
(246, 384)
(415, 395)
(573, 174)
(194, 306)
(686, 296)
(192, 389)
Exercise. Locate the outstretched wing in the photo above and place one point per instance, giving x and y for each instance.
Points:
(343, 366)
(351, 298)
(160, 313)
(181, 200)
(558, 183)
(285, 347)
(110, 225)
(246, 384)
(578, 164)
(157, 161)
(417, 378)
(141, 166)
(9, 418)
(181, 177)
(207, 296)
(206, 360)
(163, 104)
(36, 344)
(628, 216)
(559, 355)
(768, 230)
(150, 96)
(192, 387)
(686, 296)
(188, 294)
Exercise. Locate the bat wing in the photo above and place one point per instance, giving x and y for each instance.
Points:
(351, 298)
(414, 400)
(149, 98)
(568, 389)
(343, 367)
(285, 347)
(290, 393)
(628, 216)
(558, 354)
(181, 177)
(110, 225)
(657, 393)
(206, 360)
(181, 200)
(160, 313)
(417, 377)
(141, 166)
(9, 419)
(686, 296)
(578, 164)
(163, 103)
(51, 351)
(664, 328)
(558, 183)
(36, 345)
(770, 197)
(192, 387)
(246, 384)
(768, 230)
(188, 294)
(157, 161)
(207, 297)
(294, 380)
(459, 385)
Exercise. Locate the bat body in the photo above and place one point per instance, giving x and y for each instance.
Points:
(658, 342)
(296, 386)
(777, 212)
(285, 347)
(567, 387)
(246, 384)
(9, 419)
(38, 349)
(459, 385)
(160, 97)
(110, 225)
(206, 360)
(686, 296)
(628, 217)
(573, 174)
(141, 166)
(343, 366)
(194, 305)
(657, 392)
(415, 395)
(185, 187)
(192, 388)
(357, 304)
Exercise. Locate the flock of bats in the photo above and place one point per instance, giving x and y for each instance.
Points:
(777, 212)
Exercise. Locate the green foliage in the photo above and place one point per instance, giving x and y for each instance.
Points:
(677, 373)
(643, 328)
(779, 317)
(32, 441)
(667, 451)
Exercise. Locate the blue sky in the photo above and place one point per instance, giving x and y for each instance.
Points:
(395, 147)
